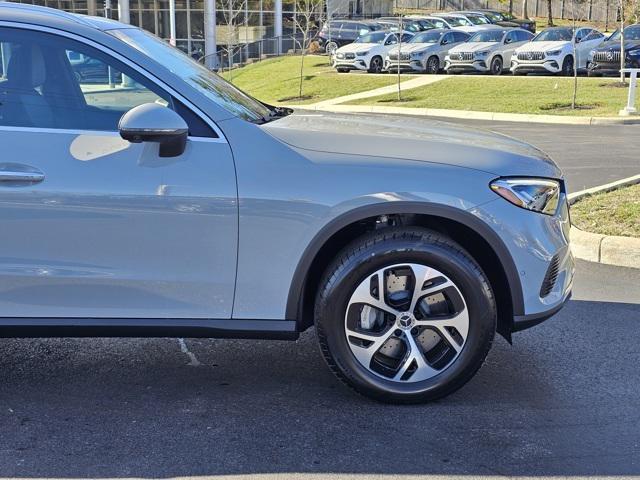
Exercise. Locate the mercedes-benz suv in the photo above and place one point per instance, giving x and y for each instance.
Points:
(162, 201)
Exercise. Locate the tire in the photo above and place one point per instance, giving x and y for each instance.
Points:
(453, 353)
(330, 48)
(567, 66)
(433, 65)
(496, 66)
(376, 65)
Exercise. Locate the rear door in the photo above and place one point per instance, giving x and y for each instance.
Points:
(93, 226)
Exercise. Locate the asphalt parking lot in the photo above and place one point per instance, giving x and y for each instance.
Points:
(563, 401)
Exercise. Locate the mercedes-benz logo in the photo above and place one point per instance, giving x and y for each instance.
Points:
(609, 55)
(530, 56)
(406, 321)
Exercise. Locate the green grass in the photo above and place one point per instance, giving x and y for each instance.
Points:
(552, 96)
(612, 213)
(277, 80)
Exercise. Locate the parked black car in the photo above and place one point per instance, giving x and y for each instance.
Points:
(605, 60)
(337, 33)
(505, 19)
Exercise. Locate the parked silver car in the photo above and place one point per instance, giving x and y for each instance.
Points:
(425, 52)
(169, 203)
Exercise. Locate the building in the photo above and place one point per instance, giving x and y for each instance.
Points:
(213, 28)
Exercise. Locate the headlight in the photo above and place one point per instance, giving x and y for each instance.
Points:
(362, 54)
(536, 194)
(481, 54)
(553, 53)
(634, 53)
(418, 55)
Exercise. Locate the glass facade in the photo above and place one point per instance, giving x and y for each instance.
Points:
(240, 24)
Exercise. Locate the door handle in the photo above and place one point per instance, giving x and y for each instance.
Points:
(19, 174)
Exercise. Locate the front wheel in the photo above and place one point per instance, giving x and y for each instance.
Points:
(330, 48)
(405, 316)
(433, 65)
(567, 66)
(376, 65)
(496, 66)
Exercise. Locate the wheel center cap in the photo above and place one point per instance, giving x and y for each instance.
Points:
(406, 321)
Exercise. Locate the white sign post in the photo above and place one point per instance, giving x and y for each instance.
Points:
(630, 109)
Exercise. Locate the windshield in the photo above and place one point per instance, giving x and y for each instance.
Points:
(426, 37)
(198, 76)
(477, 20)
(487, 36)
(631, 33)
(555, 35)
(438, 23)
(507, 16)
(458, 21)
(494, 17)
(377, 37)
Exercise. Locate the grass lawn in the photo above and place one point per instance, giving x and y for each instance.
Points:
(612, 213)
(552, 96)
(277, 80)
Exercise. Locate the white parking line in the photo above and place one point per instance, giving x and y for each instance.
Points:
(193, 361)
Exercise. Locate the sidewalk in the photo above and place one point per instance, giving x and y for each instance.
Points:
(404, 85)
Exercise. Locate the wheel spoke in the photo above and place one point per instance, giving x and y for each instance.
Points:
(363, 295)
(423, 370)
(422, 274)
(460, 322)
(364, 354)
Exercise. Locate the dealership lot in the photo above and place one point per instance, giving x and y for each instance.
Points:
(563, 401)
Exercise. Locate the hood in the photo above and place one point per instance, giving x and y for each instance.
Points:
(413, 47)
(614, 46)
(470, 28)
(409, 138)
(542, 46)
(356, 47)
(474, 47)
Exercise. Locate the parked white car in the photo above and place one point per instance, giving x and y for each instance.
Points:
(552, 51)
(367, 52)
(425, 52)
(461, 22)
(487, 51)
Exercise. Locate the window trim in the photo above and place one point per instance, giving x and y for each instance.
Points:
(138, 68)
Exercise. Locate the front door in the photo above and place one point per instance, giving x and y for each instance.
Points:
(91, 225)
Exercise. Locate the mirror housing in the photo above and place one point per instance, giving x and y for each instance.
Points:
(151, 122)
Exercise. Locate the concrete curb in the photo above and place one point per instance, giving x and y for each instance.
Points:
(473, 115)
(608, 249)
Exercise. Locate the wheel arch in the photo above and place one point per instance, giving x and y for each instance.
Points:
(483, 244)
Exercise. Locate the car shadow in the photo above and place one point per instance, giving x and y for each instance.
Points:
(562, 401)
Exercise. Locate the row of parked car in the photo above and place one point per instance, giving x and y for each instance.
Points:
(494, 46)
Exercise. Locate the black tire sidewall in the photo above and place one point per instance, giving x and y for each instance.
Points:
(429, 63)
(495, 61)
(450, 262)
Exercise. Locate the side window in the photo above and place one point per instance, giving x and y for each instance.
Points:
(524, 36)
(593, 35)
(580, 34)
(406, 37)
(55, 82)
(460, 37)
(511, 37)
(391, 40)
(447, 39)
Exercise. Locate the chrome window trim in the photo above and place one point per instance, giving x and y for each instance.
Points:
(149, 76)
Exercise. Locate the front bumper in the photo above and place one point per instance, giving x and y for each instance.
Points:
(354, 64)
(405, 65)
(551, 65)
(540, 249)
(474, 66)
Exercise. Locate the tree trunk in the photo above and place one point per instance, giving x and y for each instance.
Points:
(549, 13)
(525, 13)
(511, 7)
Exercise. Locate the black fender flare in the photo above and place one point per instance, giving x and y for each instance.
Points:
(296, 290)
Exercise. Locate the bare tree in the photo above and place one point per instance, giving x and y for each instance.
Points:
(575, 58)
(549, 14)
(525, 13)
(308, 12)
(622, 75)
(233, 12)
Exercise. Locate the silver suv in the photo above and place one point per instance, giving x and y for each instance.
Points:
(152, 198)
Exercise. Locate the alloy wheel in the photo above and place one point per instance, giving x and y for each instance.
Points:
(433, 65)
(406, 323)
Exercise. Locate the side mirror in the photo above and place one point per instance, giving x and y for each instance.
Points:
(151, 122)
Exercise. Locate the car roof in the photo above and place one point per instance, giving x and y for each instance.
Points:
(26, 13)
